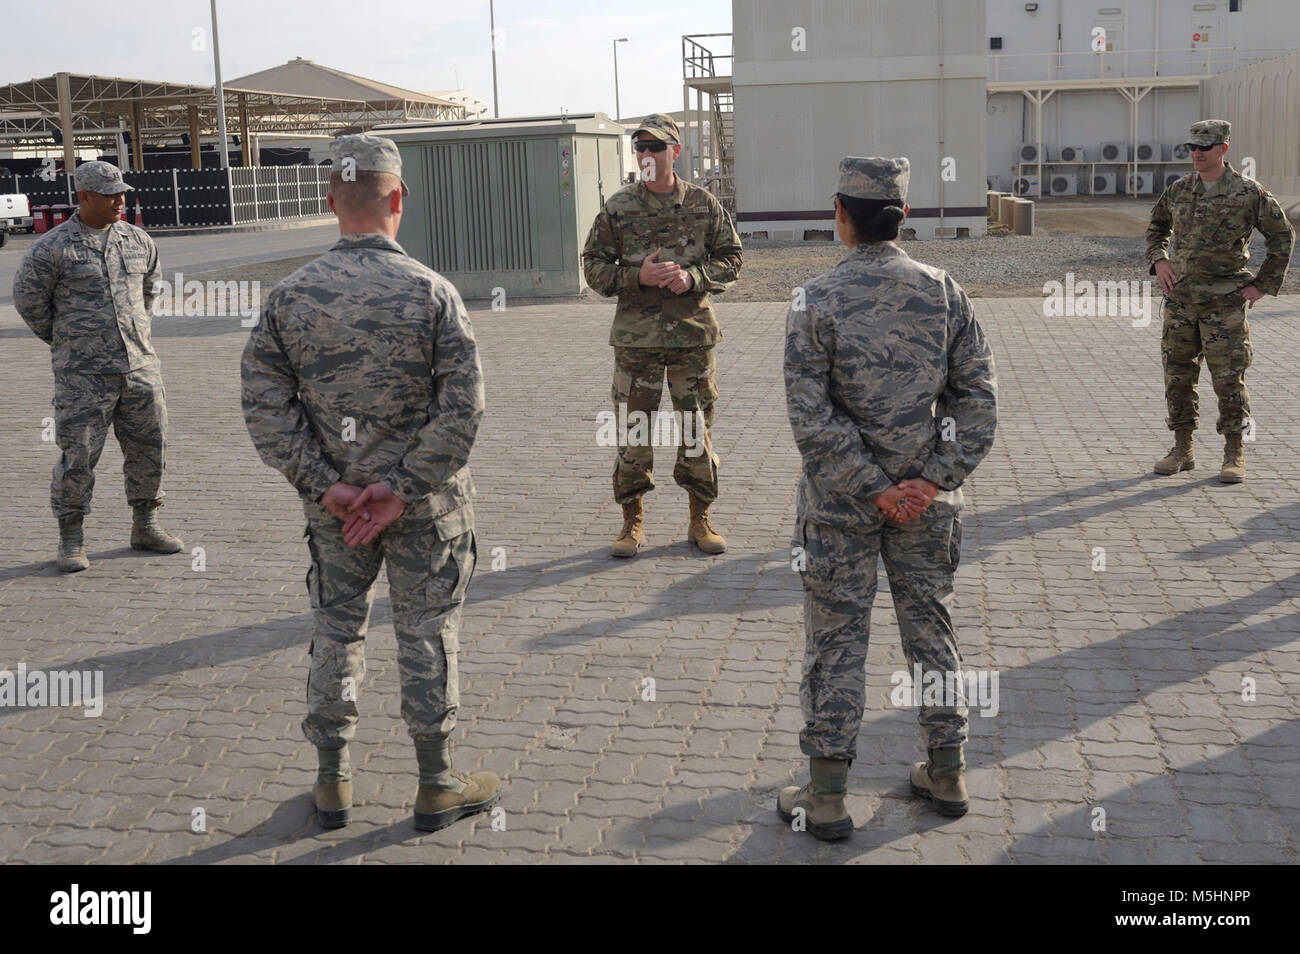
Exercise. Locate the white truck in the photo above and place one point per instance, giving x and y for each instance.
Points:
(15, 216)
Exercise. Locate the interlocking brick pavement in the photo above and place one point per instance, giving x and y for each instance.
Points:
(1121, 689)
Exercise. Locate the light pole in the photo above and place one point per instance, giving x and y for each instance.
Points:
(618, 114)
(492, 24)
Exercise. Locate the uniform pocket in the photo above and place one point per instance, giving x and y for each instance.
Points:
(453, 560)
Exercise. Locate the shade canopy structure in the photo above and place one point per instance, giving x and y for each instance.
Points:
(300, 99)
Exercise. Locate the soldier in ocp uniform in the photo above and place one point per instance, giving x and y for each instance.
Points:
(664, 247)
(86, 288)
(893, 402)
(362, 385)
(1211, 213)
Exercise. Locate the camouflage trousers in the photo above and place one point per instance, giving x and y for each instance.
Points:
(85, 406)
(429, 563)
(839, 580)
(1219, 331)
(693, 387)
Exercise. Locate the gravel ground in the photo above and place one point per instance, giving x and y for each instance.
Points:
(987, 267)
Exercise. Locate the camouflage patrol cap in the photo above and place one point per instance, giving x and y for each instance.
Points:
(874, 178)
(99, 176)
(661, 126)
(363, 152)
(1210, 132)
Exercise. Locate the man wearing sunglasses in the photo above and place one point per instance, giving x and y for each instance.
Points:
(663, 246)
(1211, 214)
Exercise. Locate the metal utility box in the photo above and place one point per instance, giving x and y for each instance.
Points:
(506, 204)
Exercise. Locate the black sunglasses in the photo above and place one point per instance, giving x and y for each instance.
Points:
(654, 145)
(1195, 148)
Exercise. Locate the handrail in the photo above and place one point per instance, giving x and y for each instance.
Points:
(1133, 64)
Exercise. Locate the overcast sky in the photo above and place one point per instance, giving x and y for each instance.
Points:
(556, 52)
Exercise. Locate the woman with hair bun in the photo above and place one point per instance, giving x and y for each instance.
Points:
(892, 398)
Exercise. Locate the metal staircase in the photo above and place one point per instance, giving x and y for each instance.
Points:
(707, 72)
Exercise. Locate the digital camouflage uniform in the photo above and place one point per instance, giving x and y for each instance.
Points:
(883, 351)
(87, 294)
(1205, 313)
(364, 369)
(656, 330)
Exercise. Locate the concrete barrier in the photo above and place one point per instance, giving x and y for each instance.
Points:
(1023, 216)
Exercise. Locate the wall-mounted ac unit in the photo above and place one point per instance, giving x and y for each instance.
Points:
(1143, 183)
(1170, 178)
(1026, 186)
(1102, 183)
(1178, 152)
(1060, 183)
(1149, 152)
(1114, 151)
(1073, 154)
(1029, 153)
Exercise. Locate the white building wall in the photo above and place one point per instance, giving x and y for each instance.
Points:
(1185, 41)
(865, 83)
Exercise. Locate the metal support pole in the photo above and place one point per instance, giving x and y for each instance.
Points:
(618, 110)
(221, 99)
(64, 85)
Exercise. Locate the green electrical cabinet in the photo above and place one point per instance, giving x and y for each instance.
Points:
(506, 204)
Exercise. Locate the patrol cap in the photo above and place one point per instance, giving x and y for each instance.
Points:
(99, 176)
(368, 154)
(1210, 132)
(874, 177)
(661, 126)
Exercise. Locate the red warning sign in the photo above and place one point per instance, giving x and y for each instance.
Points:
(1196, 38)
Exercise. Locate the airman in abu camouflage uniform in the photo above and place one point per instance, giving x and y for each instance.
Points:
(362, 385)
(892, 398)
(86, 288)
(1212, 212)
(664, 247)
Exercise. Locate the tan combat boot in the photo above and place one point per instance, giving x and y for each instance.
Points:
(146, 534)
(701, 532)
(333, 790)
(72, 547)
(632, 537)
(444, 796)
(820, 803)
(1179, 456)
(942, 779)
(333, 803)
(1234, 460)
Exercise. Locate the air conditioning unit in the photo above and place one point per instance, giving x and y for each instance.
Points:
(1149, 152)
(1060, 183)
(1073, 154)
(1143, 183)
(1170, 178)
(1026, 186)
(1102, 183)
(1178, 152)
(995, 183)
(1114, 151)
(1029, 153)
